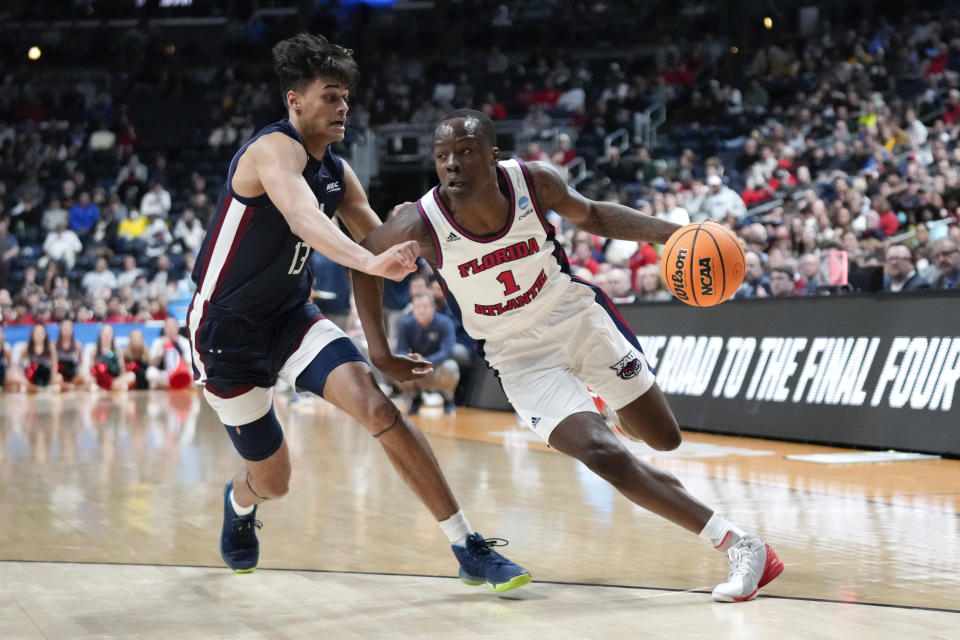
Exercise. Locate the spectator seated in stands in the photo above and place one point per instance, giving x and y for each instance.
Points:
(945, 255)
(102, 238)
(619, 284)
(83, 215)
(62, 245)
(188, 232)
(432, 336)
(900, 272)
(101, 278)
(156, 236)
(131, 231)
(781, 282)
(54, 215)
(583, 253)
(131, 176)
(756, 283)
(128, 276)
(650, 286)
(9, 247)
(810, 274)
(156, 201)
(161, 279)
(716, 201)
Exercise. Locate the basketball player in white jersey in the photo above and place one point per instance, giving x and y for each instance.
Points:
(549, 336)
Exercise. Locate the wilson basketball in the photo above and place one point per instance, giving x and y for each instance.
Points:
(703, 264)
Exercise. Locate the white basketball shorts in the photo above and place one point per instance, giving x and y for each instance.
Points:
(546, 368)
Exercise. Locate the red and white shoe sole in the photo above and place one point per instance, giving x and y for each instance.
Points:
(772, 569)
(601, 406)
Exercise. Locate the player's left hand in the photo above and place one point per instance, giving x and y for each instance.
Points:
(396, 262)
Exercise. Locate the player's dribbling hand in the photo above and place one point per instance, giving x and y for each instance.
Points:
(396, 262)
(403, 368)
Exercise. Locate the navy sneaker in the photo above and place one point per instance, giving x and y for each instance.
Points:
(449, 406)
(479, 563)
(239, 546)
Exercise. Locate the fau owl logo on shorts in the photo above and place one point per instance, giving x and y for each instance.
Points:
(628, 366)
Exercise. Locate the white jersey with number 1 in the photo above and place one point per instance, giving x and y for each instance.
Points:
(502, 282)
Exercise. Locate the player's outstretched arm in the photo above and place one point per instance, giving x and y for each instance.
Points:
(405, 226)
(278, 163)
(606, 219)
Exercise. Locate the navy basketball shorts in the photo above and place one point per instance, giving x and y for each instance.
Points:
(545, 369)
(239, 363)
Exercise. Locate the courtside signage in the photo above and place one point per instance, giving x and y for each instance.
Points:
(877, 371)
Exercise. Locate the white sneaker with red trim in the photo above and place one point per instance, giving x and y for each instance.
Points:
(752, 565)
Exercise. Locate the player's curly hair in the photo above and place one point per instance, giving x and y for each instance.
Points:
(485, 128)
(301, 59)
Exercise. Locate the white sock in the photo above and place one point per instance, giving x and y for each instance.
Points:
(457, 528)
(240, 511)
(721, 533)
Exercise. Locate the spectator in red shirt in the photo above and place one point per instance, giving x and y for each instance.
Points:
(644, 255)
(952, 112)
(548, 95)
(583, 255)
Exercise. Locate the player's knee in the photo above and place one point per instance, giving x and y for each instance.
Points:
(377, 412)
(272, 485)
(665, 438)
(450, 369)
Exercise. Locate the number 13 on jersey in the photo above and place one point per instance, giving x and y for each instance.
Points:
(300, 254)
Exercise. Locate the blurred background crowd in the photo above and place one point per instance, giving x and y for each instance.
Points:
(810, 131)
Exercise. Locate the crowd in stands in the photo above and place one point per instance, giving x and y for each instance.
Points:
(841, 140)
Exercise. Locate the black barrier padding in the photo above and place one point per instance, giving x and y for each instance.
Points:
(930, 322)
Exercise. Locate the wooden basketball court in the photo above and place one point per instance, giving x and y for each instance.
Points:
(112, 505)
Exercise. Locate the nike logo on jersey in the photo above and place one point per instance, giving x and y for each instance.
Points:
(452, 237)
(516, 251)
(333, 186)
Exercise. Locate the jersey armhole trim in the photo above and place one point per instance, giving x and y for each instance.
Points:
(433, 234)
(533, 195)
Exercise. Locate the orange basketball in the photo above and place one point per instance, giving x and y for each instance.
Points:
(703, 264)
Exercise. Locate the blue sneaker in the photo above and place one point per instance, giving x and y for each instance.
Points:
(239, 546)
(479, 563)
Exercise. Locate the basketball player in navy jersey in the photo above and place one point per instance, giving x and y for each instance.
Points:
(251, 321)
(549, 336)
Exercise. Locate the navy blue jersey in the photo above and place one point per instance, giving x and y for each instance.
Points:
(251, 267)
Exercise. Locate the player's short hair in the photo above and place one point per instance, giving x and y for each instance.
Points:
(303, 58)
(486, 130)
